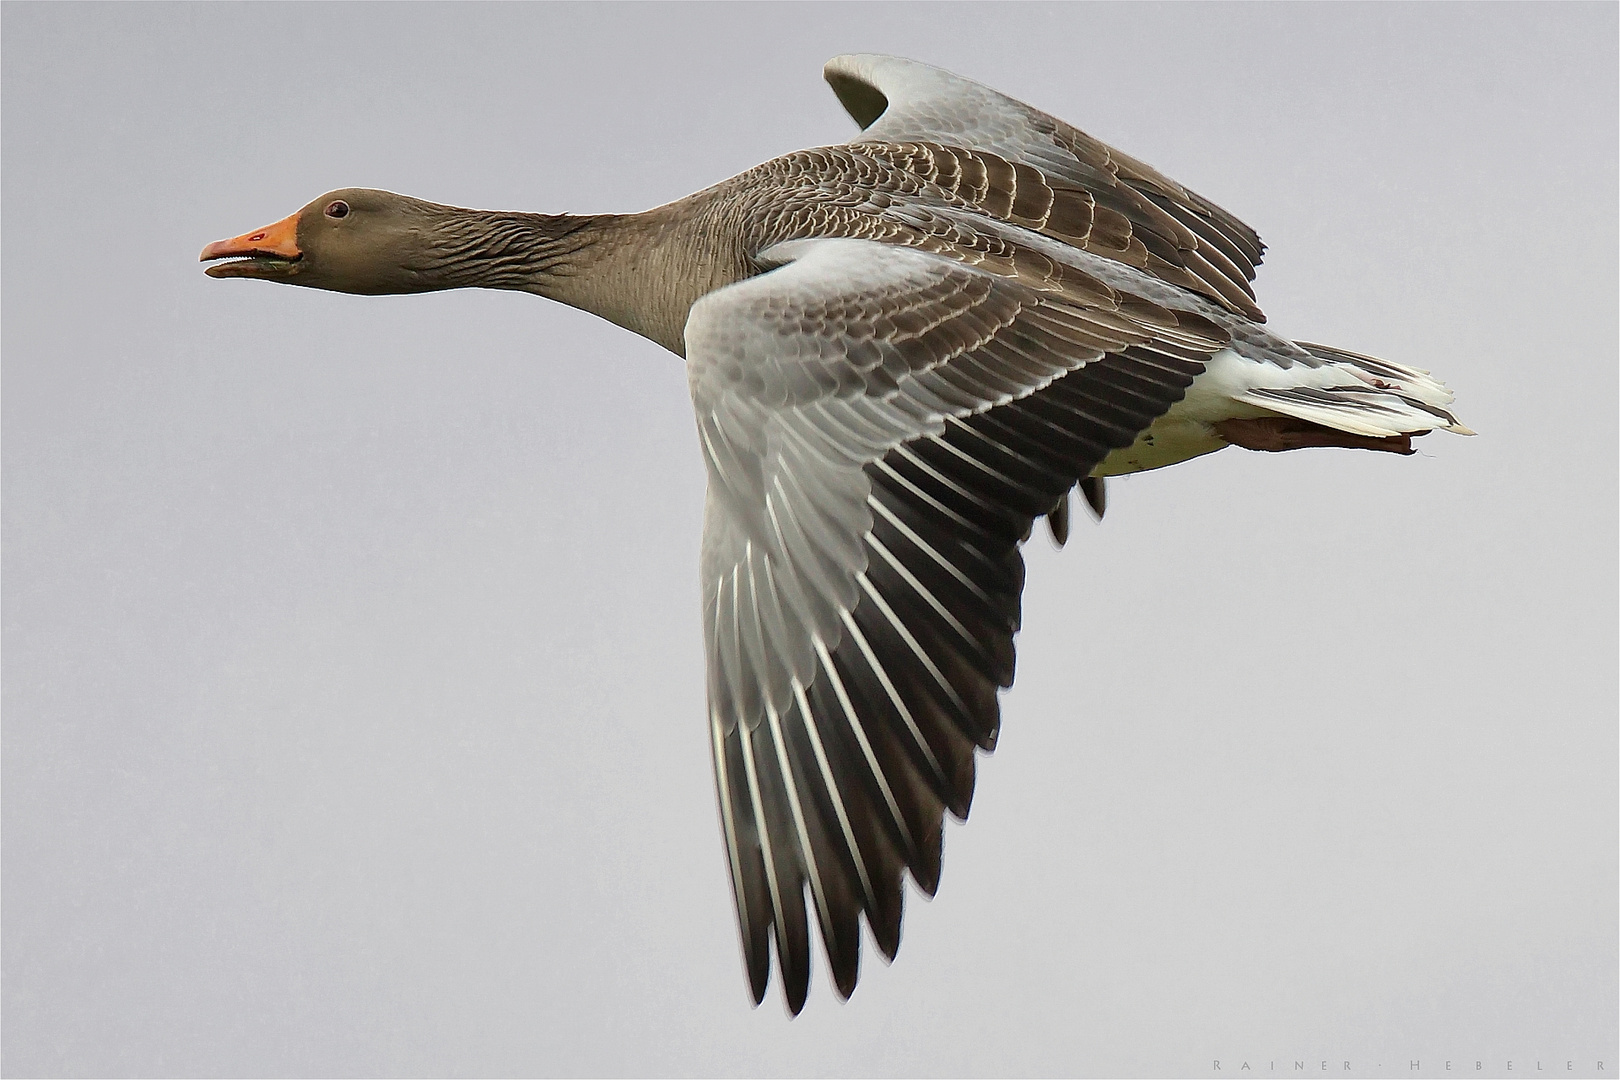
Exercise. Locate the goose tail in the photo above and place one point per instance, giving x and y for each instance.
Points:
(1364, 397)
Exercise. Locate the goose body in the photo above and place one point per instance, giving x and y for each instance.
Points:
(902, 351)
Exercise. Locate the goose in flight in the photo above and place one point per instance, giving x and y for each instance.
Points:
(902, 351)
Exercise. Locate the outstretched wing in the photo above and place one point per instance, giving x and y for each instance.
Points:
(1190, 241)
(881, 425)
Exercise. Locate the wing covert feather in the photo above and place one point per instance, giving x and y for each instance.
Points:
(1125, 208)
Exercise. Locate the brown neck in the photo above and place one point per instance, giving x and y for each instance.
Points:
(641, 271)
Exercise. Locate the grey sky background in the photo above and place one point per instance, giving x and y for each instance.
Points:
(353, 685)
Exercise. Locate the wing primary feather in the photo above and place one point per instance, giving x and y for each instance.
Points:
(909, 455)
(1057, 520)
(1055, 430)
(912, 643)
(919, 588)
(751, 638)
(973, 541)
(929, 550)
(792, 936)
(1014, 486)
(1142, 390)
(830, 781)
(731, 649)
(841, 931)
(807, 850)
(1040, 464)
(741, 855)
(900, 706)
(899, 624)
(987, 607)
(1051, 443)
(1102, 432)
(858, 729)
(915, 492)
(1095, 489)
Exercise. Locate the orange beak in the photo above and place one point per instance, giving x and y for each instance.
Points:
(279, 241)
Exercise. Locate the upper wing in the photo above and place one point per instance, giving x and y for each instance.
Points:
(881, 426)
(1189, 240)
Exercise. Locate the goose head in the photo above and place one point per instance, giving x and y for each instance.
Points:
(353, 240)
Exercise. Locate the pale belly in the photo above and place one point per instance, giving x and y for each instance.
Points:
(1184, 432)
(1170, 440)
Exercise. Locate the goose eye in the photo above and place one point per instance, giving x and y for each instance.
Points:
(337, 209)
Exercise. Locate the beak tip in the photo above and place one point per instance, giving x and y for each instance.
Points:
(280, 239)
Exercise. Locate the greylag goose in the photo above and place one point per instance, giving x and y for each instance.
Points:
(902, 351)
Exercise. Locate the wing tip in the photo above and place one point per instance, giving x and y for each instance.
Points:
(851, 81)
(1057, 521)
(1095, 490)
(846, 978)
(886, 935)
(796, 991)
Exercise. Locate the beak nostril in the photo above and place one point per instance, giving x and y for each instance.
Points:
(256, 237)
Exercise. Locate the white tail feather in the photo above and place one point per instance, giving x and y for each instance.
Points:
(1378, 397)
(1362, 395)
